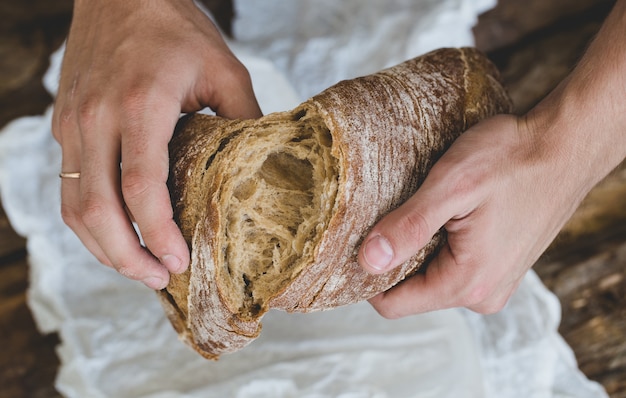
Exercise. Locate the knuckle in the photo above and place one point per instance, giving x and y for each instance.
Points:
(235, 72)
(387, 312)
(476, 295)
(87, 111)
(135, 99)
(65, 117)
(464, 184)
(490, 306)
(70, 215)
(485, 299)
(153, 239)
(94, 212)
(63, 121)
(127, 271)
(413, 226)
(135, 187)
(467, 180)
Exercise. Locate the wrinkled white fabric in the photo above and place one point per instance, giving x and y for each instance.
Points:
(316, 43)
(115, 340)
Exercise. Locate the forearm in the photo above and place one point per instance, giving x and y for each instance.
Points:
(584, 119)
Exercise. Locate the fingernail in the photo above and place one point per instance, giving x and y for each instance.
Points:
(378, 253)
(154, 282)
(172, 263)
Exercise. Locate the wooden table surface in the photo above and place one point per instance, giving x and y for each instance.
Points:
(535, 43)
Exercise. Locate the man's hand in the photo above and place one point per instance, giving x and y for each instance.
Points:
(130, 68)
(489, 192)
(505, 188)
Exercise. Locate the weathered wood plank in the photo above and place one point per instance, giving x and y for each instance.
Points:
(28, 364)
(512, 21)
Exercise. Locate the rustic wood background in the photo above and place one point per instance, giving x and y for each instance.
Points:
(535, 43)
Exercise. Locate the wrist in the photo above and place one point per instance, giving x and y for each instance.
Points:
(582, 123)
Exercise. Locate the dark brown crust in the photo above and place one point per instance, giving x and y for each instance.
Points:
(388, 129)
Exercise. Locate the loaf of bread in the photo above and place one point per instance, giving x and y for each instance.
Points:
(274, 209)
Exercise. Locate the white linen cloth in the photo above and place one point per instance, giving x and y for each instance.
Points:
(115, 340)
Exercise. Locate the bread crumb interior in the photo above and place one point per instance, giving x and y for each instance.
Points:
(277, 198)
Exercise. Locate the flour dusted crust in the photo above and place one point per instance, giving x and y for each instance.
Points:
(274, 209)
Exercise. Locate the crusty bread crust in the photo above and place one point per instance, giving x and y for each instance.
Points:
(274, 209)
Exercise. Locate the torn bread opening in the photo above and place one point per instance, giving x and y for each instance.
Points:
(277, 197)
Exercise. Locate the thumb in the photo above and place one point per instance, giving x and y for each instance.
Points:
(238, 101)
(232, 94)
(404, 231)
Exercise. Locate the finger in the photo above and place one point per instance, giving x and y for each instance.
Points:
(66, 132)
(436, 289)
(145, 168)
(232, 95)
(405, 230)
(245, 107)
(447, 283)
(70, 211)
(467, 272)
(102, 208)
